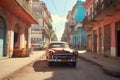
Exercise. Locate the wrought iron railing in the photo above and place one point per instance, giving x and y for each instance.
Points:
(89, 18)
(99, 7)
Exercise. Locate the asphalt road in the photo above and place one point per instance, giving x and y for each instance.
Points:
(39, 70)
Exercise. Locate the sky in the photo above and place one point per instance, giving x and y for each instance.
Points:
(59, 10)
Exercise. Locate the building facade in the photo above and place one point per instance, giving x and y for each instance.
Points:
(74, 32)
(102, 23)
(36, 29)
(16, 18)
(41, 32)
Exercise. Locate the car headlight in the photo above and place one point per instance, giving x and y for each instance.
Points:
(51, 52)
(76, 53)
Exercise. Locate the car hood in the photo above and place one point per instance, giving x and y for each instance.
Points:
(62, 50)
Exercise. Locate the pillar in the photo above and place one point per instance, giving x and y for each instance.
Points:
(113, 40)
(102, 30)
(22, 37)
(97, 40)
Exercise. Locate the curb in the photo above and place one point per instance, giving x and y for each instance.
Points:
(115, 73)
(91, 61)
(106, 70)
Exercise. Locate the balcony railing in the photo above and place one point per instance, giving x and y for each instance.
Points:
(103, 5)
(98, 9)
(48, 21)
(89, 18)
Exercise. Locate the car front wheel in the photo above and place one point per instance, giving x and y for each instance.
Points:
(73, 64)
(50, 63)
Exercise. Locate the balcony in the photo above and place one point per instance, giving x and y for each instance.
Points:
(20, 8)
(107, 8)
(36, 32)
(102, 10)
(26, 6)
(48, 21)
(89, 21)
(46, 31)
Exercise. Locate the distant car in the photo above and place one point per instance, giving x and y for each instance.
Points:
(61, 52)
(36, 46)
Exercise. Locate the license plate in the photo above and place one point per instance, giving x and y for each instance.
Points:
(64, 60)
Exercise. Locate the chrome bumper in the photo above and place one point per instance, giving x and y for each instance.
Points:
(62, 60)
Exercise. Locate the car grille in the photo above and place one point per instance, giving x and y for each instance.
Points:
(62, 56)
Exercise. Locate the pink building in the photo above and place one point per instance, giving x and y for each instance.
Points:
(102, 23)
(15, 23)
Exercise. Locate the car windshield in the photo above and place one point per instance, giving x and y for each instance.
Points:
(58, 45)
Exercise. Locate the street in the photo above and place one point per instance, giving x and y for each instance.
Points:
(39, 70)
(88, 29)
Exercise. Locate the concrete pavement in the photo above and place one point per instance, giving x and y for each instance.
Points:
(109, 65)
(11, 65)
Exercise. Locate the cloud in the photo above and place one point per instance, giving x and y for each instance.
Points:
(83, 0)
(57, 19)
(58, 25)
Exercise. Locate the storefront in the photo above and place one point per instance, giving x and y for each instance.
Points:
(118, 37)
(107, 40)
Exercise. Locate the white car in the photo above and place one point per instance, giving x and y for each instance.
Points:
(36, 46)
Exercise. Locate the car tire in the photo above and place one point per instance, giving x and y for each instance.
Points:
(73, 64)
(50, 63)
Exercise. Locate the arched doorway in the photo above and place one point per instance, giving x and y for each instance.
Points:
(2, 37)
(95, 41)
(16, 36)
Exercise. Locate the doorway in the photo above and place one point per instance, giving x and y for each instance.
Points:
(107, 40)
(16, 34)
(15, 40)
(3, 33)
(100, 40)
(95, 41)
(118, 38)
(118, 43)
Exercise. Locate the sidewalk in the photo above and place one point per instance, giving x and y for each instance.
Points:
(11, 65)
(109, 65)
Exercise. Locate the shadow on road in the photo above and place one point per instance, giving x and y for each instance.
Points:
(42, 65)
(66, 72)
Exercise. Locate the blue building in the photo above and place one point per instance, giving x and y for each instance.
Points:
(79, 34)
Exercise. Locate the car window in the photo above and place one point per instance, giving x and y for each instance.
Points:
(58, 45)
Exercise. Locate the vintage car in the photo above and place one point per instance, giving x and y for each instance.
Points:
(61, 52)
(36, 46)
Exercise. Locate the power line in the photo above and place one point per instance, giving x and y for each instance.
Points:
(54, 5)
(65, 7)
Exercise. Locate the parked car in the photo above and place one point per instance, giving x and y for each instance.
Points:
(36, 46)
(61, 52)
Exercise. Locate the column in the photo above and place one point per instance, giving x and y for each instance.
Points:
(22, 39)
(113, 40)
(11, 42)
(29, 40)
(98, 40)
(102, 30)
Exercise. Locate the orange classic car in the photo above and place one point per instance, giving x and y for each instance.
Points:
(61, 52)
